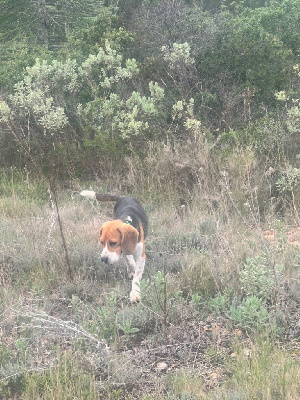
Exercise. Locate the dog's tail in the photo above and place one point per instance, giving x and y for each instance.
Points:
(99, 196)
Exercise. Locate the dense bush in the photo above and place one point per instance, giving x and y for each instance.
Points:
(139, 71)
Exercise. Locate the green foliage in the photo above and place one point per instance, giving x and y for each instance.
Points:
(104, 323)
(38, 29)
(198, 301)
(178, 56)
(219, 304)
(292, 104)
(130, 118)
(43, 108)
(33, 99)
(257, 59)
(289, 180)
(17, 18)
(281, 19)
(38, 102)
(127, 328)
(56, 98)
(159, 297)
(45, 22)
(153, 292)
(261, 370)
(257, 278)
(133, 79)
(15, 57)
(250, 315)
(87, 40)
(65, 381)
(238, 54)
(102, 71)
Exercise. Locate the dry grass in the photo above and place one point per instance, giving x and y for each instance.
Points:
(262, 370)
(203, 228)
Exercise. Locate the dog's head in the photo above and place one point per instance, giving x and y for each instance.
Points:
(117, 237)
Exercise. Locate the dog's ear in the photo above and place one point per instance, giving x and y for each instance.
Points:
(129, 238)
(102, 230)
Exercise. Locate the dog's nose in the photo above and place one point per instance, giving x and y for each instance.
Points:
(104, 259)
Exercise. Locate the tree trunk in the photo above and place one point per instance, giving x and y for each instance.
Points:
(42, 22)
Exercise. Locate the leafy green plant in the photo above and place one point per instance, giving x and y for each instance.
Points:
(155, 295)
(219, 304)
(288, 185)
(104, 322)
(127, 328)
(197, 301)
(258, 279)
(250, 315)
(289, 180)
(152, 291)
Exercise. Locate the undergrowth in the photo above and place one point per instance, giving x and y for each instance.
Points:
(220, 296)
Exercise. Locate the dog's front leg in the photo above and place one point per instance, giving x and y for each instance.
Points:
(135, 295)
(131, 266)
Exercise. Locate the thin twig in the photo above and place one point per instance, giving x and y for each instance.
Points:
(70, 269)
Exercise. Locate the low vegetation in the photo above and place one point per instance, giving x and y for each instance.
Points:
(193, 108)
(219, 316)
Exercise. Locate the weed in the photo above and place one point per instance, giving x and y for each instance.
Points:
(185, 385)
(219, 304)
(156, 296)
(258, 279)
(261, 370)
(288, 185)
(197, 301)
(250, 315)
(198, 258)
(104, 322)
(127, 328)
(65, 381)
(197, 276)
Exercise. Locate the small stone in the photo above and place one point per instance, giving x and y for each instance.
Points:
(161, 366)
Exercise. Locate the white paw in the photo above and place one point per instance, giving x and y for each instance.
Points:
(135, 296)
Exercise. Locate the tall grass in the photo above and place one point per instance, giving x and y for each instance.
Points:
(261, 370)
(208, 263)
(65, 381)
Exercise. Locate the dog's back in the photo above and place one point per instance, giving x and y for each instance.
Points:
(129, 210)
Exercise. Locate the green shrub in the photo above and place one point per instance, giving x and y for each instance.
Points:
(250, 315)
(219, 304)
(257, 279)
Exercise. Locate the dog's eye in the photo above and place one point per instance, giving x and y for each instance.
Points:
(112, 244)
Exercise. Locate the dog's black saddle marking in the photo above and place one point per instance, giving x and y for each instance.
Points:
(129, 207)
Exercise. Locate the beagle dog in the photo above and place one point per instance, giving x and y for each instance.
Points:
(125, 235)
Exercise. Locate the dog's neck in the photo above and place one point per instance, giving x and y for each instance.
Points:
(128, 220)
